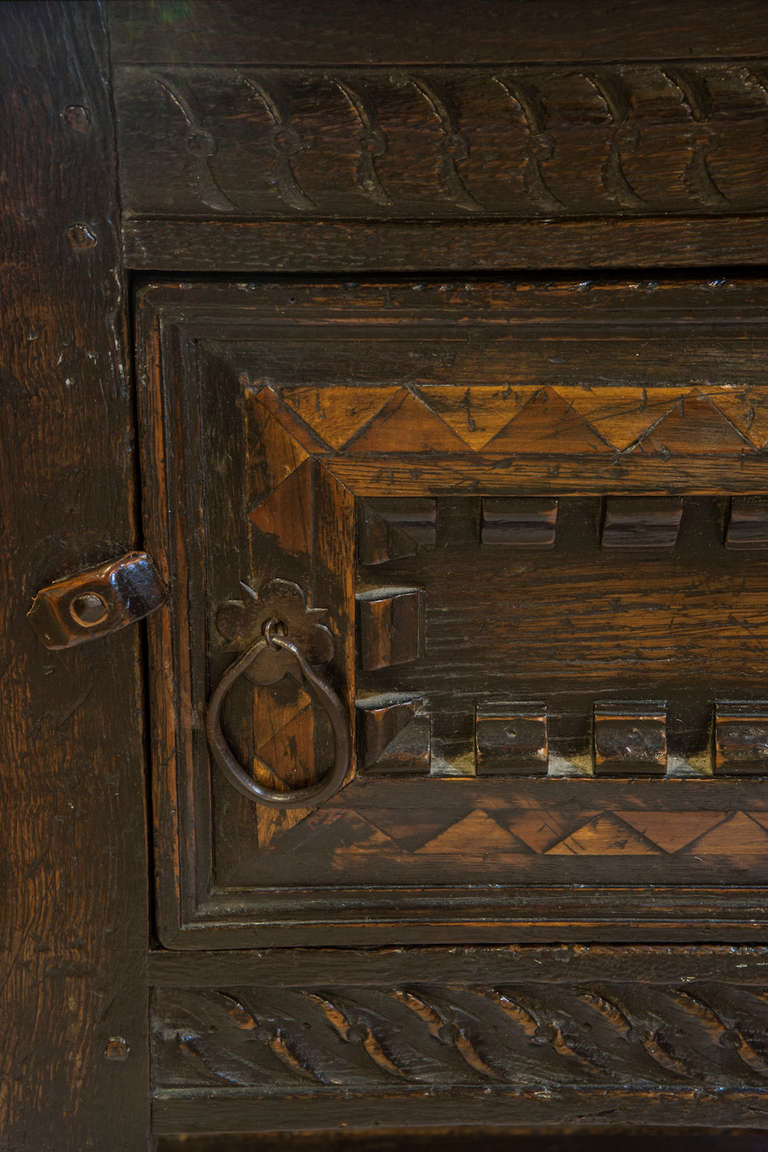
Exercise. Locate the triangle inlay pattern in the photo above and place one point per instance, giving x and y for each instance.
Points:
(480, 834)
(569, 419)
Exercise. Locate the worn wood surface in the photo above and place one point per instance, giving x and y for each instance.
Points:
(414, 1031)
(389, 387)
(502, 1109)
(530, 114)
(300, 32)
(360, 246)
(451, 1140)
(74, 912)
(611, 140)
(278, 967)
(296, 138)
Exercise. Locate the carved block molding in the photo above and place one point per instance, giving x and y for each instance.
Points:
(748, 523)
(511, 738)
(392, 736)
(630, 738)
(741, 738)
(642, 522)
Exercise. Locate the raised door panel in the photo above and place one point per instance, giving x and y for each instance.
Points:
(533, 519)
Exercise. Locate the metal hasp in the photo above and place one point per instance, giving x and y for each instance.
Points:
(276, 636)
(97, 602)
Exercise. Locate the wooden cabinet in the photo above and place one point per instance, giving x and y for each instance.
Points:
(416, 359)
(530, 516)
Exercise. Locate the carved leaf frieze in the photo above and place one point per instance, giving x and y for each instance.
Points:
(607, 140)
(380, 1037)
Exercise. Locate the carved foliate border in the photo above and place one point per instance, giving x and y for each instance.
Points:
(463, 1035)
(583, 1032)
(554, 141)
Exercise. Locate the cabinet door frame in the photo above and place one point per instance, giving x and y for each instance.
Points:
(74, 925)
(187, 334)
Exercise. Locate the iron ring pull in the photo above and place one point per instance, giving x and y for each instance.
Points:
(324, 695)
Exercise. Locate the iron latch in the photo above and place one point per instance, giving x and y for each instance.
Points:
(97, 602)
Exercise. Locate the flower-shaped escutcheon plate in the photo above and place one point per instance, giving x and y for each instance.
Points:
(243, 622)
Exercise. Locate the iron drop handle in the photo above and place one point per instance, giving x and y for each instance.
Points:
(280, 637)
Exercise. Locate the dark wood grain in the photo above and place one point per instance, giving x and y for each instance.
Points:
(277, 968)
(399, 149)
(568, 1139)
(74, 921)
(483, 442)
(298, 32)
(653, 1021)
(607, 140)
(477, 390)
(508, 1109)
(361, 246)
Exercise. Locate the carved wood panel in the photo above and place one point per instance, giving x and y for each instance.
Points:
(486, 1031)
(527, 141)
(466, 1035)
(527, 511)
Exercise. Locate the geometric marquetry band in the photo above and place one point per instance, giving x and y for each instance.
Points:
(575, 420)
(512, 739)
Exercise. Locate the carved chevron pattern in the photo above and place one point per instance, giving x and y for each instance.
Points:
(521, 1034)
(606, 140)
(568, 419)
(367, 825)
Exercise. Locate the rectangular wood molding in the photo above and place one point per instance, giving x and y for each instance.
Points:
(741, 738)
(641, 522)
(748, 523)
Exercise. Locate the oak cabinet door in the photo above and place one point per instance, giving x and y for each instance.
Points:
(468, 626)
